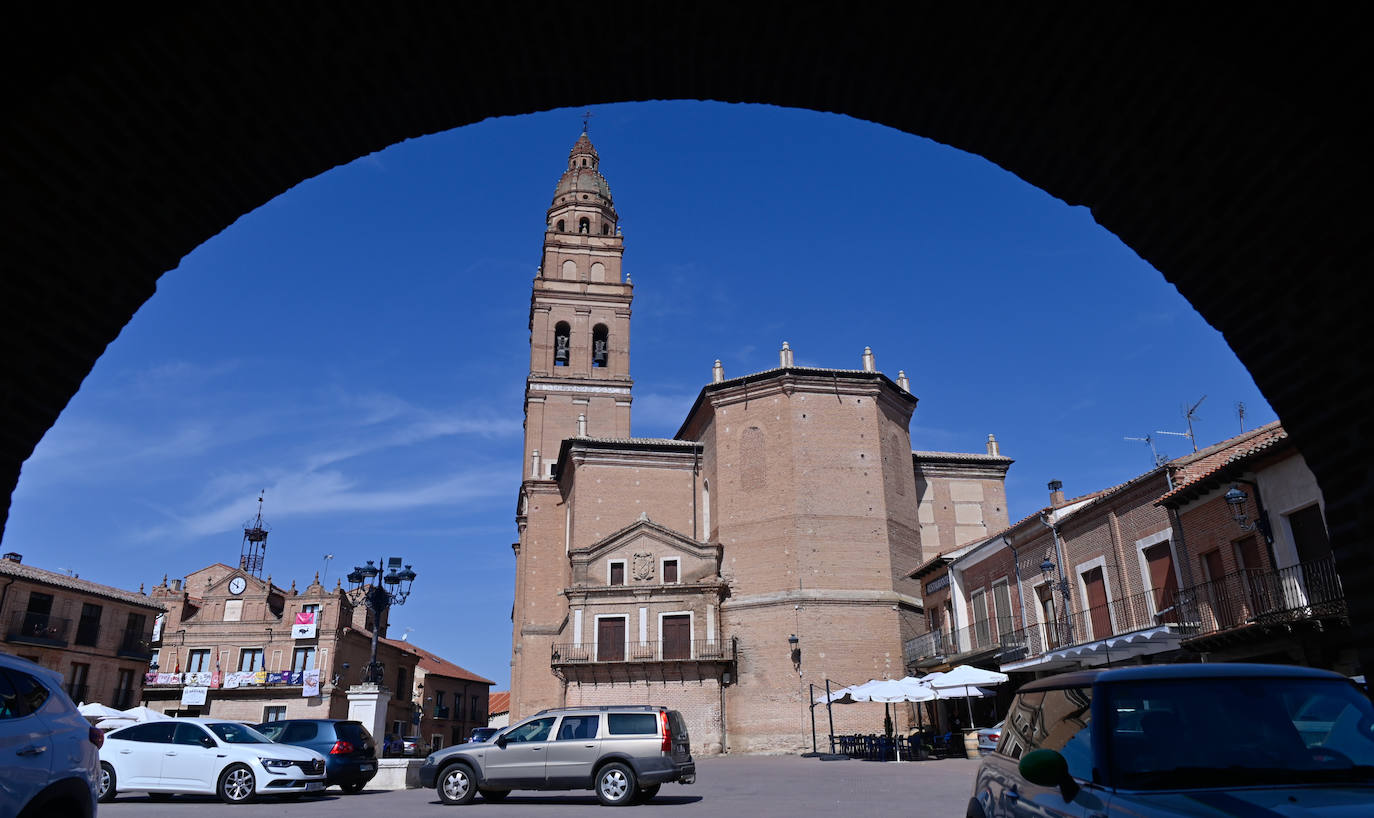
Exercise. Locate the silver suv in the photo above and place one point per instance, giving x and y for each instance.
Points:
(623, 752)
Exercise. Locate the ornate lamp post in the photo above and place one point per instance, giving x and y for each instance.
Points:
(378, 597)
(1047, 570)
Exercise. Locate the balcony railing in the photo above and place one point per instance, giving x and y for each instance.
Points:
(39, 629)
(122, 698)
(1311, 590)
(696, 650)
(990, 634)
(136, 644)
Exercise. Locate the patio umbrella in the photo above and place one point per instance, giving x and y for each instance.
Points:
(142, 713)
(106, 725)
(965, 682)
(889, 691)
(96, 710)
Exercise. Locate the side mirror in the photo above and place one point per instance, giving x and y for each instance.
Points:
(207, 742)
(502, 741)
(1048, 768)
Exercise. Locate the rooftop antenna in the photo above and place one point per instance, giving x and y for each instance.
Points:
(1158, 458)
(71, 572)
(406, 636)
(1240, 415)
(1190, 415)
(325, 575)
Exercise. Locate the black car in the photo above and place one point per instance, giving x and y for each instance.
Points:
(350, 754)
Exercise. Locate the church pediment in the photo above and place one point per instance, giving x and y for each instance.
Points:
(645, 553)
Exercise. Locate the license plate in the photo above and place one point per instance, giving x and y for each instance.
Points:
(314, 786)
(367, 768)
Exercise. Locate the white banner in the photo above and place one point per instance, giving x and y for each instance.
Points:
(311, 684)
(304, 627)
(194, 695)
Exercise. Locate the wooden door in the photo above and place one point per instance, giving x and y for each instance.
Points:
(610, 639)
(677, 637)
(1098, 613)
(1163, 582)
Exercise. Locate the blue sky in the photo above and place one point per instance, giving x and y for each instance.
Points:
(357, 347)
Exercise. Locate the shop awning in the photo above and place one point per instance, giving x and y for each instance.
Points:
(1158, 639)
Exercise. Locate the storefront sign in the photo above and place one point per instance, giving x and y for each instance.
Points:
(194, 695)
(936, 584)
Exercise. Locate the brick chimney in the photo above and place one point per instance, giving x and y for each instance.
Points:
(14, 556)
(1056, 494)
(993, 448)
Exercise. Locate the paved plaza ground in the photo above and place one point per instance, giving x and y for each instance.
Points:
(752, 786)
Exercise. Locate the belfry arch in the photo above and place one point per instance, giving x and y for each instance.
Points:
(1222, 148)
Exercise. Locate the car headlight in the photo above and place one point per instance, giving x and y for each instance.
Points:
(276, 763)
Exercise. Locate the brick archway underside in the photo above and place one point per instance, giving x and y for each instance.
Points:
(1227, 150)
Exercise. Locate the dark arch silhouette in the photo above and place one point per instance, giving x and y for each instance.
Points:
(1221, 145)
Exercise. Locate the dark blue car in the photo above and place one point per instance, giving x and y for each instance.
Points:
(350, 754)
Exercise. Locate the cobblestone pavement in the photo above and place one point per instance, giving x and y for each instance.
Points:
(752, 786)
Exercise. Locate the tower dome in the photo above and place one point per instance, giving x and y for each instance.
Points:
(582, 182)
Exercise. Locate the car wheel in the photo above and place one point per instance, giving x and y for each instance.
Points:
(615, 785)
(353, 787)
(106, 788)
(456, 785)
(494, 795)
(237, 785)
(648, 793)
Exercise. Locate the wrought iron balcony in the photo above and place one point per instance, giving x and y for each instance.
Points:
(674, 660)
(1137, 612)
(39, 629)
(136, 644)
(441, 712)
(1308, 591)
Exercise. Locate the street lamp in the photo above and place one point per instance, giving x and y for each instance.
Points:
(363, 590)
(1236, 499)
(1047, 570)
(794, 648)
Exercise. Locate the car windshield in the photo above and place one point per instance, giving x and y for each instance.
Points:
(232, 733)
(1239, 732)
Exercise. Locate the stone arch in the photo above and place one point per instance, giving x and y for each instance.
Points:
(570, 270)
(1240, 176)
(598, 271)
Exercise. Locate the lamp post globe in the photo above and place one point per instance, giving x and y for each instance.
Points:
(393, 589)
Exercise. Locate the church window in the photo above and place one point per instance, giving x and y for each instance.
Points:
(584, 225)
(584, 163)
(600, 351)
(562, 228)
(670, 572)
(561, 335)
(605, 228)
(615, 573)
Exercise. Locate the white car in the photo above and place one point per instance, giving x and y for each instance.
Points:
(206, 756)
(48, 761)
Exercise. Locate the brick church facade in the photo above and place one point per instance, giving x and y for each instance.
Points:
(765, 548)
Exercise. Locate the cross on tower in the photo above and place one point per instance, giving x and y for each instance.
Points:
(586, 119)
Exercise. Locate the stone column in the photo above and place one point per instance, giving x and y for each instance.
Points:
(367, 704)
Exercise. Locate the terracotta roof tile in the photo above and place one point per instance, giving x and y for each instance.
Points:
(433, 663)
(22, 571)
(498, 701)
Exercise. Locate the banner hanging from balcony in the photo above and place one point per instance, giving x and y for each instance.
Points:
(194, 696)
(311, 683)
(304, 628)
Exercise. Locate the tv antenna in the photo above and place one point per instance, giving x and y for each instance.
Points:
(1189, 415)
(1240, 415)
(1158, 458)
(406, 636)
(324, 576)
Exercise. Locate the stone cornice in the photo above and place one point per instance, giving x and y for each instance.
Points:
(822, 596)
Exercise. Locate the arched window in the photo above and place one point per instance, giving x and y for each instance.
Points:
(561, 335)
(562, 228)
(605, 228)
(600, 351)
(584, 226)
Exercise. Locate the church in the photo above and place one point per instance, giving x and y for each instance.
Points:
(764, 549)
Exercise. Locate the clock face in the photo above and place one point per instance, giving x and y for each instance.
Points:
(236, 585)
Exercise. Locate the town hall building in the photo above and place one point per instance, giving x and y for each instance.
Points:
(765, 548)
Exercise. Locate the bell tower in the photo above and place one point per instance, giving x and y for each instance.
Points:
(578, 386)
(579, 319)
